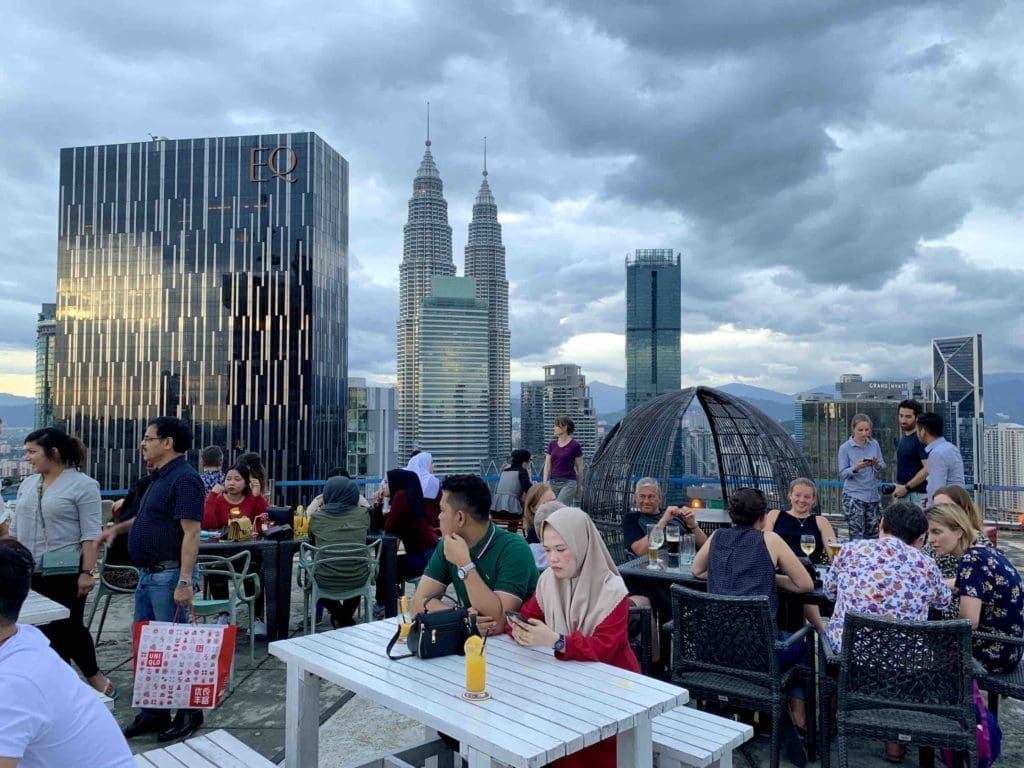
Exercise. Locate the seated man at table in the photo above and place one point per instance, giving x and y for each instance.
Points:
(648, 510)
(493, 571)
(889, 576)
(50, 716)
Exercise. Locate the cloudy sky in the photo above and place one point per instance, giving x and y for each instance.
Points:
(842, 179)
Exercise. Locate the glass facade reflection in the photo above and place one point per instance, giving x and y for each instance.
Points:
(653, 325)
(46, 342)
(957, 384)
(205, 279)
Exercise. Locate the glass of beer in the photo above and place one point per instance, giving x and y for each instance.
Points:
(655, 538)
(672, 545)
(834, 547)
(807, 544)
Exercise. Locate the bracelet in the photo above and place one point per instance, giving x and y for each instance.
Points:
(83, 572)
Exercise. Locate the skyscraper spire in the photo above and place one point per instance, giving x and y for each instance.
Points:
(426, 252)
(485, 262)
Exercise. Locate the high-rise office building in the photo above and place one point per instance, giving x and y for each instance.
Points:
(372, 429)
(798, 412)
(653, 324)
(426, 252)
(826, 426)
(566, 394)
(485, 263)
(536, 432)
(205, 279)
(452, 417)
(852, 386)
(46, 343)
(1004, 463)
(958, 388)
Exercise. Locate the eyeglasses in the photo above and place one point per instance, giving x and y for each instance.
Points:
(147, 438)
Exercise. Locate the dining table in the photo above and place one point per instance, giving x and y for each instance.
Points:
(38, 609)
(539, 708)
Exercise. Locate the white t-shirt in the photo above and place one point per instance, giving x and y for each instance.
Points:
(49, 717)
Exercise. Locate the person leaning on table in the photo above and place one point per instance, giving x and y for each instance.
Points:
(580, 609)
(48, 717)
(492, 570)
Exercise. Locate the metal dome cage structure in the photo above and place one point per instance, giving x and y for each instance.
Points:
(752, 449)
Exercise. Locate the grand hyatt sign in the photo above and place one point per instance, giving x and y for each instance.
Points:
(266, 163)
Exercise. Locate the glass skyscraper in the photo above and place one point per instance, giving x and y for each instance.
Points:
(205, 279)
(653, 324)
(485, 263)
(957, 383)
(46, 344)
(452, 417)
(426, 252)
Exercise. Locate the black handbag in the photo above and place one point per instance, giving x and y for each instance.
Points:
(437, 633)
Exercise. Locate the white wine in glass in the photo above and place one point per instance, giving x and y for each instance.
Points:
(807, 544)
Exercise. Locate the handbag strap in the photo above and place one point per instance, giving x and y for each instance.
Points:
(42, 517)
(391, 644)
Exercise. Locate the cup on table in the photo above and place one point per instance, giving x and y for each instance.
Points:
(403, 631)
(655, 538)
(834, 547)
(476, 669)
(672, 534)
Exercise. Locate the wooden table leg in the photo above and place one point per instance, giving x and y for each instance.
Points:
(635, 746)
(302, 718)
(477, 759)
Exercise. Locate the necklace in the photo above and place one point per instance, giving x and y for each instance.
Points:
(801, 520)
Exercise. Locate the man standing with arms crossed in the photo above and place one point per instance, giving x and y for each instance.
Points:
(911, 457)
(163, 541)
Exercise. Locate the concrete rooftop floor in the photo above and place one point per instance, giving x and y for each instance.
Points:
(353, 730)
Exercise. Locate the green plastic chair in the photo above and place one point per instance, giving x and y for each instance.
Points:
(112, 580)
(311, 558)
(236, 570)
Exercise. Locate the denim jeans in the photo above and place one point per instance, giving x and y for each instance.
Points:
(154, 601)
(565, 490)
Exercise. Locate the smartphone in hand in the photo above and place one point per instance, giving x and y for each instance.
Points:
(512, 616)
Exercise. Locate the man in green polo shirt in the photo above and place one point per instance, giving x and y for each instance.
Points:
(493, 570)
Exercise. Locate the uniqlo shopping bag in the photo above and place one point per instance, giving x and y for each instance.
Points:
(181, 665)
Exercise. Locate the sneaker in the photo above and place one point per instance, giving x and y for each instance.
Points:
(259, 628)
(224, 619)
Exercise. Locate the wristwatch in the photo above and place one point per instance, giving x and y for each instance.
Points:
(464, 570)
(183, 583)
(559, 646)
(84, 572)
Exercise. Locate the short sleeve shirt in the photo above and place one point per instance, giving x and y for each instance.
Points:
(910, 455)
(71, 508)
(986, 574)
(634, 528)
(175, 493)
(563, 459)
(504, 561)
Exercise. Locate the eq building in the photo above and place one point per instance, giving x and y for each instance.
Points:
(205, 279)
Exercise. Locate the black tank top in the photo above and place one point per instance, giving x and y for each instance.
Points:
(791, 529)
(739, 564)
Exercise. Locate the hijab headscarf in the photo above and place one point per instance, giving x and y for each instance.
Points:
(582, 602)
(420, 464)
(340, 495)
(406, 481)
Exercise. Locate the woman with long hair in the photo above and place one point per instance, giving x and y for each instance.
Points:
(580, 608)
(989, 586)
(407, 519)
(860, 459)
(237, 499)
(59, 510)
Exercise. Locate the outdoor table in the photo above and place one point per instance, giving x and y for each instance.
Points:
(41, 610)
(278, 560)
(540, 708)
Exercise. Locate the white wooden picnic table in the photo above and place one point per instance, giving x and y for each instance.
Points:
(540, 708)
(41, 610)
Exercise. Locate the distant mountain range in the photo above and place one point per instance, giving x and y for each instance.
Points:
(1004, 400)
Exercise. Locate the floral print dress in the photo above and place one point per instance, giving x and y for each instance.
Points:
(948, 564)
(986, 574)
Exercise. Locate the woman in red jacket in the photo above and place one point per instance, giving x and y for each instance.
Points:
(580, 608)
(237, 495)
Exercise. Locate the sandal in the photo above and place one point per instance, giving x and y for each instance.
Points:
(111, 690)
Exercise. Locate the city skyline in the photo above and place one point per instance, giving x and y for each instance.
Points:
(829, 174)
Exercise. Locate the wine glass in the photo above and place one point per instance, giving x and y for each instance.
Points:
(655, 538)
(807, 544)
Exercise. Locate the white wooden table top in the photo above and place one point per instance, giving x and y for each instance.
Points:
(217, 749)
(41, 610)
(540, 708)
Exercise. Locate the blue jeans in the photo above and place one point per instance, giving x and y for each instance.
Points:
(565, 490)
(154, 601)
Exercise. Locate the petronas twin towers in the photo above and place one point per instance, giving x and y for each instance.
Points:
(453, 335)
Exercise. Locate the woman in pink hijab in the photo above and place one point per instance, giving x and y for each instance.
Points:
(580, 608)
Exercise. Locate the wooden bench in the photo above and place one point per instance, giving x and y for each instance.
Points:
(687, 736)
(217, 749)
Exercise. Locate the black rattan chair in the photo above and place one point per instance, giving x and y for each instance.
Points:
(998, 684)
(906, 682)
(724, 650)
(828, 689)
(640, 619)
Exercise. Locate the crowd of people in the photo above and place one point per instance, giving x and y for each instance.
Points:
(554, 584)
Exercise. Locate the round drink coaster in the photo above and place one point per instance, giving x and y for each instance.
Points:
(483, 696)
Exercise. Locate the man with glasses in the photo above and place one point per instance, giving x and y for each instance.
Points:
(163, 541)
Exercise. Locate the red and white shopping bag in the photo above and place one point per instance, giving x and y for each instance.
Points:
(181, 665)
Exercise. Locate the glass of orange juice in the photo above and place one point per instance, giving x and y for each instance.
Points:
(476, 670)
